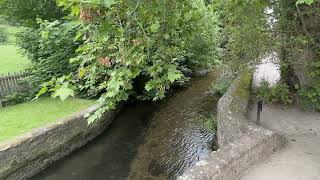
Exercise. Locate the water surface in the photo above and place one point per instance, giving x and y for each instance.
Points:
(146, 141)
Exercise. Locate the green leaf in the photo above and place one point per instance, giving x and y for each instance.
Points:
(155, 27)
(78, 36)
(42, 91)
(81, 73)
(309, 2)
(63, 92)
(166, 36)
(75, 10)
(174, 75)
(109, 3)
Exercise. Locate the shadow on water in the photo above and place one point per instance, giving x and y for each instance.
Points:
(146, 141)
(109, 156)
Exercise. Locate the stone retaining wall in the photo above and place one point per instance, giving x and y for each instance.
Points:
(241, 142)
(32, 152)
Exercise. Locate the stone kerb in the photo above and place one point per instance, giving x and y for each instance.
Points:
(232, 110)
(32, 152)
(241, 142)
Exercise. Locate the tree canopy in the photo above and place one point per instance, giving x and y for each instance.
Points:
(27, 11)
(127, 48)
(117, 49)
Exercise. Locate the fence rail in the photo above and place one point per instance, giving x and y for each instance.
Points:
(9, 83)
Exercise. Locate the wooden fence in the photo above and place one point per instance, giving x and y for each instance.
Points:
(9, 83)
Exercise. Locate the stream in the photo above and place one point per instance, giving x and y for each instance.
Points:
(147, 140)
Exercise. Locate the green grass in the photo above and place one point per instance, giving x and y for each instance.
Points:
(22, 118)
(209, 122)
(10, 59)
(11, 31)
(243, 89)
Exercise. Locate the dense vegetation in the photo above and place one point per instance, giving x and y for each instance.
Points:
(26, 12)
(3, 36)
(253, 29)
(49, 48)
(116, 49)
(300, 50)
(278, 93)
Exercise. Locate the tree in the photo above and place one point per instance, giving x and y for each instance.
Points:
(137, 48)
(27, 11)
(294, 35)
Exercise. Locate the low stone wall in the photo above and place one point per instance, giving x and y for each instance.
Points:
(241, 142)
(33, 152)
(232, 111)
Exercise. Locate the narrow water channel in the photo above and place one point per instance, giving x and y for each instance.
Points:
(146, 141)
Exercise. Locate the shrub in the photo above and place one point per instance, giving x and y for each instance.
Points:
(310, 98)
(263, 92)
(23, 94)
(223, 82)
(219, 88)
(281, 94)
(16, 99)
(208, 122)
(25, 12)
(276, 94)
(132, 44)
(3, 36)
(49, 48)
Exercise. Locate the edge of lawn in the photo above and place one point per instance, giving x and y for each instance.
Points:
(41, 114)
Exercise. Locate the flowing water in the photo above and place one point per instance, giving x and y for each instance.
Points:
(147, 140)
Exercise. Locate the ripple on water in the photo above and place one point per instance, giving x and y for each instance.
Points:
(179, 140)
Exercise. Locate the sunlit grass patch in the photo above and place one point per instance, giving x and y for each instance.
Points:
(22, 118)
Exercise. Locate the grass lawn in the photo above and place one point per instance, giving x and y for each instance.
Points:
(11, 31)
(22, 118)
(11, 60)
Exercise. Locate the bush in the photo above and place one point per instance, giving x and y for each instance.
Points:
(208, 122)
(310, 98)
(279, 93)
(219, 88)
(49, 48)
(23, 94)
(263, 92)
(16, 99)
(3, 36)
(224, 81)
(25, 12)
(132, 44)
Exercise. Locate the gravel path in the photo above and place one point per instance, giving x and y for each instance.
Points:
(300, 159)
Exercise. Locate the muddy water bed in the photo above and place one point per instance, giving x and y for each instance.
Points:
(147, 140)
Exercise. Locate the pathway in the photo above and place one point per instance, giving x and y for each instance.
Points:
(300, 159)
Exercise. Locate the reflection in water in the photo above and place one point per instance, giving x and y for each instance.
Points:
(146, 141)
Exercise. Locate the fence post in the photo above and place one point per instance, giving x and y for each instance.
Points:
(259, 110)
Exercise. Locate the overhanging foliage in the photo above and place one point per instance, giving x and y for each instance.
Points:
(137, 48)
